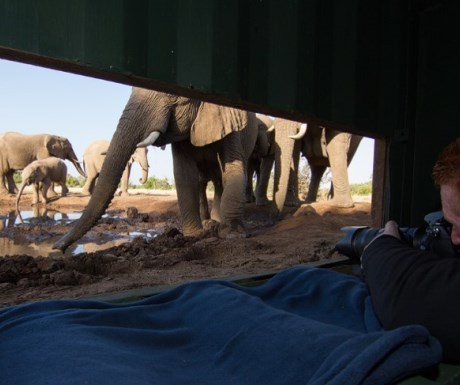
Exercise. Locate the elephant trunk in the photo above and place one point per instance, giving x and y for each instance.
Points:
(18, 197)
(123, 144)
(145, 175)
(144, 163)
(73, 158)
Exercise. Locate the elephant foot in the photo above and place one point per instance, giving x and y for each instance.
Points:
(294, 203)
(262, 202)
(250, 198)
(210, 225)
(197, 233)
(234, 230)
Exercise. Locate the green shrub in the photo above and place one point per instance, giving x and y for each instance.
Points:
(17, 177)
(75, 181)
(157, 184)
(361, 188)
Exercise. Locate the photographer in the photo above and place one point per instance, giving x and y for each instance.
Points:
(412, 286)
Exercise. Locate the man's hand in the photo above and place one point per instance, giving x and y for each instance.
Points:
(391, 228)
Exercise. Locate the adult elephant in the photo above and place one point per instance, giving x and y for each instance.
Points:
(18, 150)
(94, 156)
(323, 147)
(203, 136)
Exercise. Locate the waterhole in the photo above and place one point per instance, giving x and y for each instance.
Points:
(20, 234)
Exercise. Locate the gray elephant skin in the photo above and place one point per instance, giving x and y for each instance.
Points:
(323, 147)
(94, 156)
(18, 150)
(41, 173)
(208, 142)
(261, 161)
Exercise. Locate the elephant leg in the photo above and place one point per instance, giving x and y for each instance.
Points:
(337, 153)
(187, 180)
(12, 189)
(90, 182)
(3, 189)
(317, 172)
(64, 188)
(51, 191)
(292, 194)
(36, 197)
(266, 166)
(45, 186)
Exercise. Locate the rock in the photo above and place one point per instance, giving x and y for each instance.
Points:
(131, 212)
(64, 278)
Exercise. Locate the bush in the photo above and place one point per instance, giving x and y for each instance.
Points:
(17, 177)
(75, 181)
(157, 184)
(361, 188)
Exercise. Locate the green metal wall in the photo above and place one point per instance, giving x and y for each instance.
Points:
(383, 68)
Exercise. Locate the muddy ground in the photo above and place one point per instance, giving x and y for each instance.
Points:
(307, 234)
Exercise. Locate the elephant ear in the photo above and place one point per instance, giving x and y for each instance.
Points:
(54, 145)
(213, 122)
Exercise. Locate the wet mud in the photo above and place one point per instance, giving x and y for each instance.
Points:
(139, 244)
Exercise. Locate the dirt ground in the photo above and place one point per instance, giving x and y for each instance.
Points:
(305, 235)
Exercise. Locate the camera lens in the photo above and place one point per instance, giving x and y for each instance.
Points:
(355, 240)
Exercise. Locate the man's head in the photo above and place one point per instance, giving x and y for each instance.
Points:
(446, 174)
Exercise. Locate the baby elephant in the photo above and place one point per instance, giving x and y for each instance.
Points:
(41, 173)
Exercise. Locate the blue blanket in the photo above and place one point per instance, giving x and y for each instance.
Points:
(304, 326)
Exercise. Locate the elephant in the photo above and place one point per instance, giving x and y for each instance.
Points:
(18, 150)
(94, 156)
(207, 141)
(41, 173)
(262, 162)
(323, 147)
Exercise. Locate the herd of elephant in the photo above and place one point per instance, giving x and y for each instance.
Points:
(210, 143)
(41, 159)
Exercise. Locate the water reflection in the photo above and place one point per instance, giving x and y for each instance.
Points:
(21, 243)
(38, 214)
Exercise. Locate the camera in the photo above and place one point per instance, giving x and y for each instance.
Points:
(433, 235)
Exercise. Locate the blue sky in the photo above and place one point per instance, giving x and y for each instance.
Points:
(38, 100)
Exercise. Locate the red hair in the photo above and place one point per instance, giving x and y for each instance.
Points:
(447, 168)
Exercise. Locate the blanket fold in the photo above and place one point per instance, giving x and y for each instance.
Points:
(304, 326)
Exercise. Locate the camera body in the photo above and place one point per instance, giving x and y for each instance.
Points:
(433, 235)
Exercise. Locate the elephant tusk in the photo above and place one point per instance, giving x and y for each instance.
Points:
(271, 128)
(150, 140)
(301, 133)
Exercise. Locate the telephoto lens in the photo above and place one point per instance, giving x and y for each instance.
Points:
(355, 240)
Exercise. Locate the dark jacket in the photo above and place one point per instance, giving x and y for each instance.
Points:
(410, 286)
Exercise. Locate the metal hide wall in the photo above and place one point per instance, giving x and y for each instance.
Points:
(367, 66)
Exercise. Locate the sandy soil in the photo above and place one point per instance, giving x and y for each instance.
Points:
(305, 235)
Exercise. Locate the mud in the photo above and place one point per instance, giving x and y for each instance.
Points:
(139, 244)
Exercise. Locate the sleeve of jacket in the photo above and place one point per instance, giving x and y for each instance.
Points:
(411, 286)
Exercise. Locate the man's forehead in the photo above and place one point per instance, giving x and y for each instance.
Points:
(450, 197)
